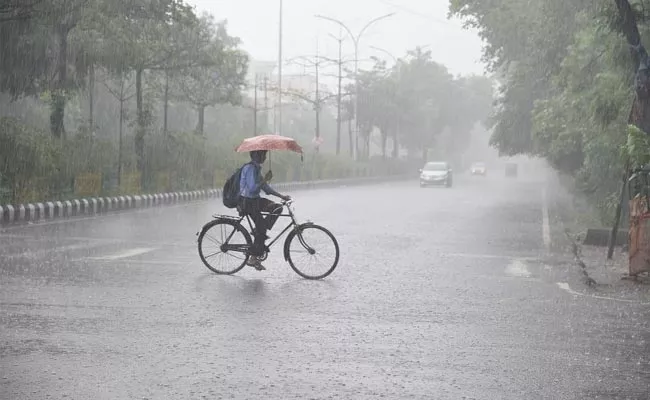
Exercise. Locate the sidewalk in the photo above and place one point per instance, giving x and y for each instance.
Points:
(570, 214)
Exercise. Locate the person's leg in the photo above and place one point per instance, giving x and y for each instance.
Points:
(274, 209)
(252, 207)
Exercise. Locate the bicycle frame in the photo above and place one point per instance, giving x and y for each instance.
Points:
(293, 224)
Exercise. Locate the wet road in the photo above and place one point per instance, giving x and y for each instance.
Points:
(440, 293)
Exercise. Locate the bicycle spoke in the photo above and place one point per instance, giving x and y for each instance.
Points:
(222, 259)
(325, 252)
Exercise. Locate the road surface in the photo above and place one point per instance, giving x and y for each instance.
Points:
(440, 294)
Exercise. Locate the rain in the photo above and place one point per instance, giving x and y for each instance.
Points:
(284, 199)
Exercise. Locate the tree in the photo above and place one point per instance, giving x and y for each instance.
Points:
(34, 31)
(18, 10)
(641, 108)
(525, 44)
(567, 83)
(120, 86)
(221, 79)
(417, 100)
(424, 87)
(151, 35)
(347, 114)
(377, 104)
(470, 102)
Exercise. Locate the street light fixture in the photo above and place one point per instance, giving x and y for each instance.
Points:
(355, 40)
(389, 54)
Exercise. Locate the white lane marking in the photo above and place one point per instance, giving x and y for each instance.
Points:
(144, 262)
(492, 256)
(518, 268)
(565, 286)
(180, 244)
(32, 254)
(546, 227)
(125, 254)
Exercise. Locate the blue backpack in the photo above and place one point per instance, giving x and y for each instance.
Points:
(230, 193)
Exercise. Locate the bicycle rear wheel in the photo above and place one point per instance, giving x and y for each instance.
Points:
(312, 245)
(223, 246)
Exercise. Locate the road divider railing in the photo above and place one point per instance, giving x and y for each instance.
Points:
(33, 212)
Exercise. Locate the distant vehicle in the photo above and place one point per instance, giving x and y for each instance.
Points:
(478, 168)
(436, 173)
(511, 170)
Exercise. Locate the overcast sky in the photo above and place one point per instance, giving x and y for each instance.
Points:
(416, 23)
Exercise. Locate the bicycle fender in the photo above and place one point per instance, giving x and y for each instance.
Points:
(216, 220)
(290, 236)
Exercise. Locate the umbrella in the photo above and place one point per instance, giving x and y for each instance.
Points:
(269, 142)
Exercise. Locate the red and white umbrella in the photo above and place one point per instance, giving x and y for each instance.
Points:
(269, 142)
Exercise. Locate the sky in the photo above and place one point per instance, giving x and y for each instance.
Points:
(416, 23)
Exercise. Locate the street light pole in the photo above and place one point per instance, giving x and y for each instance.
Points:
(355, 40)
(279, 123)
(339, 39)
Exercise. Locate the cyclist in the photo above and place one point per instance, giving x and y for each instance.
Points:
(250, 184)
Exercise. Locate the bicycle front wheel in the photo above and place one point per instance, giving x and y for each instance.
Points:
(312, 251)
(223, 246)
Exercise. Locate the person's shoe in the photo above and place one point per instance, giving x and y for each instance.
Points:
(254, 262)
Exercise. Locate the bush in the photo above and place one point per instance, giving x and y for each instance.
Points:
(29, 159)
(35, 167)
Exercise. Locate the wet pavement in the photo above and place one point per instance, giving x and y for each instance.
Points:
(439, 294)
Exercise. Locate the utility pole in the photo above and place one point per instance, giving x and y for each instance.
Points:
(317, 105)
(166, 101)
(316, 99)
(255, 106)
(266, 103)
(339, 39)
(280, 61)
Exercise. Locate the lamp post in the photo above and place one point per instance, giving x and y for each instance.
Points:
(279, 112)
(355, 40)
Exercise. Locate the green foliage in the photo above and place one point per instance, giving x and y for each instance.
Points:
(638, 147)
(418, 99)
(525, 43)
(566, 86)
(36, 167)
(94, 71)
(221, 76)
(25, 155)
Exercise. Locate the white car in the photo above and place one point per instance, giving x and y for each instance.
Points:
(478, 168)
(436, 174)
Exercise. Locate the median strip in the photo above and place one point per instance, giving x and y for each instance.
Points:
(27, 213)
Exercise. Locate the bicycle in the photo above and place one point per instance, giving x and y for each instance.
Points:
(231, 246)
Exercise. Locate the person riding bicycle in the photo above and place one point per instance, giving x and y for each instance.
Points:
(250, 184)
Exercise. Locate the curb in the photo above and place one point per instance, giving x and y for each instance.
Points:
(22, 213)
